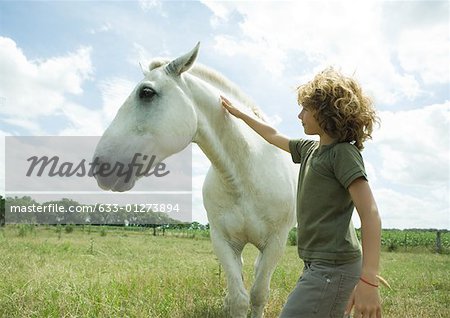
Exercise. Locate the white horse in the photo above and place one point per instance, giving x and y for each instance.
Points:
(249, 191)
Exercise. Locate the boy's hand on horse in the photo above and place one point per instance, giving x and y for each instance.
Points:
(229, 106)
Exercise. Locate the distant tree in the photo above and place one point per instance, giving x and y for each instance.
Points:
(198, 226)
(23, 203)
(195, 226)
(68, 217)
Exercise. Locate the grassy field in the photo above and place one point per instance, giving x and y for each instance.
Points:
(118, 273)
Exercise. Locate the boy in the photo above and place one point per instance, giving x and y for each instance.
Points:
(332, 182)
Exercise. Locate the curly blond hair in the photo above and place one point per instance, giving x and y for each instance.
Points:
(340, 107)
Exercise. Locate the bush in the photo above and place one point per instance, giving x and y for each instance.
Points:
(25, 229)
(68, 228)
(392, 247)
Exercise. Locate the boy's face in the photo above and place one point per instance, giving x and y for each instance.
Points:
(310, 124)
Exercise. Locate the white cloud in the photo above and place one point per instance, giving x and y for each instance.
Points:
(426, 51)
(269, 56)
(147, 5)
(83, 121)
(346, 34)
(219, 8)
(410, 156)
(44, 87)
(404, 211)
(67, 73)
(38, 88)
(30, 125)
(414, 145)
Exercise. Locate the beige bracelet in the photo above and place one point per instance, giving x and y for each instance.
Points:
(383, 282)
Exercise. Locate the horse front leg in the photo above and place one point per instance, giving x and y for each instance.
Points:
(264, 267)
(229, 254)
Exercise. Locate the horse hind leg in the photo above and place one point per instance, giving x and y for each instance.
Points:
(236, 301)
(264, 267)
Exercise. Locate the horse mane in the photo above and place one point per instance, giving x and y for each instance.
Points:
(216, 79)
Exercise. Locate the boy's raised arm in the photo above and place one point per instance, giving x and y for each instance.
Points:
(263, 129)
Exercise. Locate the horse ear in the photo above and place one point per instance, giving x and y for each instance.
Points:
(183, 63)
(144, 71)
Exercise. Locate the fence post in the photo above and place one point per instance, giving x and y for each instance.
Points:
(406, 240)
(438, 242)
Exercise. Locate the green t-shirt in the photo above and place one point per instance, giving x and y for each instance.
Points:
(324, 206)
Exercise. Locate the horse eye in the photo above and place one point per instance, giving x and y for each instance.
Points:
(146, 93)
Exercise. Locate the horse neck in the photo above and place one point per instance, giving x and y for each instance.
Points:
(222, 137)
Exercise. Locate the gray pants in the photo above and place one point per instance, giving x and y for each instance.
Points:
(322, 291)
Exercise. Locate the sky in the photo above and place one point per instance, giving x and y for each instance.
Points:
(67, 66)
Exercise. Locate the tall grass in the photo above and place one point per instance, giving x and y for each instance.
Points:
(48, 273)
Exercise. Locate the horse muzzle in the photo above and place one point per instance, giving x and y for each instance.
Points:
(116, 177)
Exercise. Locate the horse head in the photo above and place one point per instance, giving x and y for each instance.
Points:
(157, 119)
